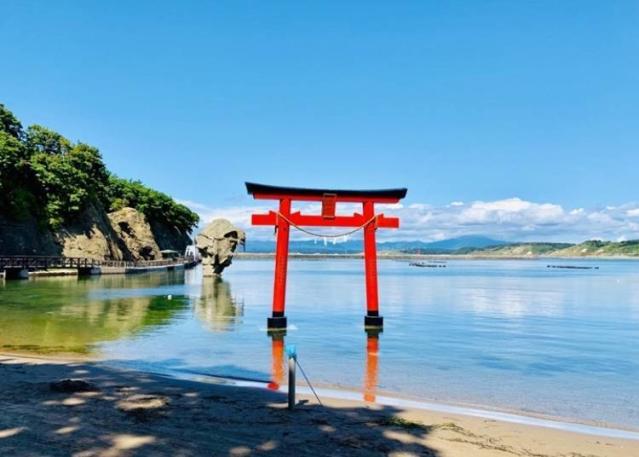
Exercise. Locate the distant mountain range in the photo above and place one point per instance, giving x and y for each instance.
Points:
(479, 246)
(355, 246)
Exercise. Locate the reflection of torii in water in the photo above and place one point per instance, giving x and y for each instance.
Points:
(277, 360)
(372, 363)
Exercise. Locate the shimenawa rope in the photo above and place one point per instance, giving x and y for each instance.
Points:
(322, 235)
(308, 381)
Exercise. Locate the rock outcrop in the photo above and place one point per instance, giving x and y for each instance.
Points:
(134, 235)
(121, 235)
(170, 237)
(91, 236)
(217, 244)
(26, 237)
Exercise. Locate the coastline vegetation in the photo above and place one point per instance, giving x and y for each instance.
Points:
(590, 248)
(42, 173)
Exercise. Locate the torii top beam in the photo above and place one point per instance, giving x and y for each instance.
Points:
(266, 192)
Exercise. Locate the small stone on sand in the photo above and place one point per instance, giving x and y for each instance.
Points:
(72, 385)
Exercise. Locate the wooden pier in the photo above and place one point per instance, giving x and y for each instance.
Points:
(19, 267)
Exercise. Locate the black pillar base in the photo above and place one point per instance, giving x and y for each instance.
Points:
(373, 322)
(276, 323)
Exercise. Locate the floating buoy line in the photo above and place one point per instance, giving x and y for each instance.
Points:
(427, 265)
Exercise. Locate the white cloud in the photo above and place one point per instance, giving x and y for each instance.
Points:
(512, 210)
(238, 215)
(511, 219)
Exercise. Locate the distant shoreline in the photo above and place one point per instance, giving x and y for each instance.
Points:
(402, 256)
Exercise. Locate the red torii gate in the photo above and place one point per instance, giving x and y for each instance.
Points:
(284, 218)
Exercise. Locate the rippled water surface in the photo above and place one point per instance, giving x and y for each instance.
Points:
(512, 335)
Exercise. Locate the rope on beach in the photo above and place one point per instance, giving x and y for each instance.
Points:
(308, 381)
(325, 235)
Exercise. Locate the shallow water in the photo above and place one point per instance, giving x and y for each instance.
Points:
(511, 335)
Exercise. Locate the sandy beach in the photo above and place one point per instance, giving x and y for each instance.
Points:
(114, 412)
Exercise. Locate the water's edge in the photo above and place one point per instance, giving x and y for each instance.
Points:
(389, 400)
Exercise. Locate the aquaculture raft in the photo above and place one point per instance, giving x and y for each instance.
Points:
(284, 218)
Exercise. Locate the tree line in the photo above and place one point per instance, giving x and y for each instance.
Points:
(44, 174)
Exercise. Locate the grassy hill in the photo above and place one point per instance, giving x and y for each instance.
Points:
(591, 248)
(600, 249)
(520, 249)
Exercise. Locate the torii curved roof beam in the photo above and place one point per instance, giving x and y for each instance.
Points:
(266, 192)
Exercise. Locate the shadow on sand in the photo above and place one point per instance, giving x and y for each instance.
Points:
(125, 413)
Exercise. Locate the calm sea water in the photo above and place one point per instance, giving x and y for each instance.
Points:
(511, 335)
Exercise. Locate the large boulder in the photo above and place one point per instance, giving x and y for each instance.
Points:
(217, 244)
(134, 234)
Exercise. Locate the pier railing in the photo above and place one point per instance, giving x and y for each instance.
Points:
(145, 263)
(35, 262)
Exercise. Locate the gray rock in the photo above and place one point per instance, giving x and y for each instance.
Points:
(217, 244)
(72, 385)
(134, 234)
(90, 235)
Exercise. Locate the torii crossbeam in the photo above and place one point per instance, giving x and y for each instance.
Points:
(282, 220)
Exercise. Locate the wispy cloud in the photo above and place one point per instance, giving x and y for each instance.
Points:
(511, 219)
(238, 215)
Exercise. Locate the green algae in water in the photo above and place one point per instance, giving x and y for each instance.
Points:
(62, 315)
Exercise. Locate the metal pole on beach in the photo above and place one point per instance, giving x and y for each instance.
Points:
(292, 355)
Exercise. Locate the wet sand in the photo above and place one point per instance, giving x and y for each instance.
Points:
(129, 413)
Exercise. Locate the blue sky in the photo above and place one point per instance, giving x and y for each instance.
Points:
(519, 120)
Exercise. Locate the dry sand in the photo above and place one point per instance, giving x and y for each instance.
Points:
(129, 413)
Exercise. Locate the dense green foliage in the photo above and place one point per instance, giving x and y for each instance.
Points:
(44, 174)
(156, 206)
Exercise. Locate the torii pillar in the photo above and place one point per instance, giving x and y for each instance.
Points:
(282, 220)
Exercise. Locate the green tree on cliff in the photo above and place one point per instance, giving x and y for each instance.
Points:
(9, 123)
(42, 140)
(156, 206)
(44, 173)
(15, 199)
(69, 176)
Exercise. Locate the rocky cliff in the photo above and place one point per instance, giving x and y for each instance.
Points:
(91, 236)
(120, 235)
(134, 236)
(55, 195)
(170, 237)
(25, 236)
